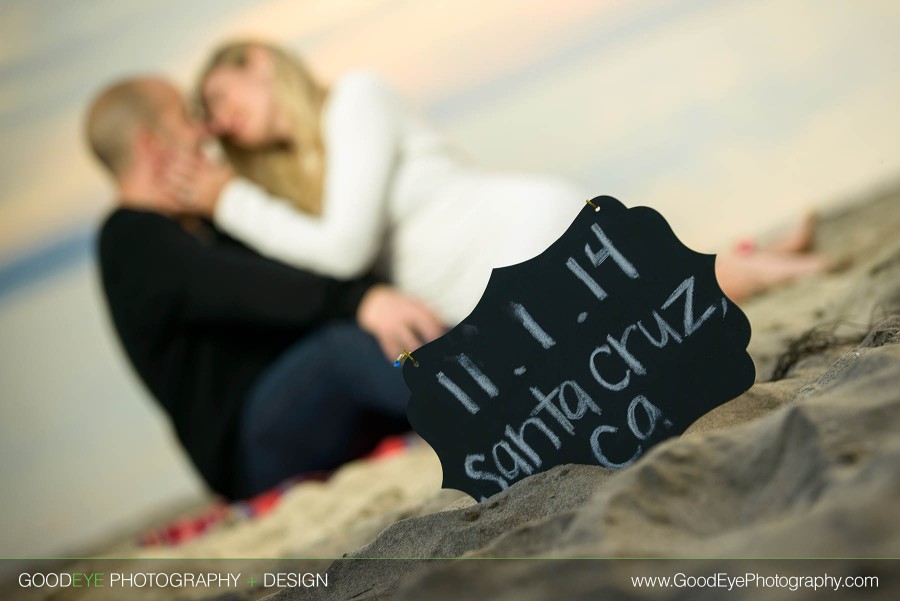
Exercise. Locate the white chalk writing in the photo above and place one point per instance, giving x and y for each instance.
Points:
(458, 392)
(532, 326)
(480, 378)
(614, 364)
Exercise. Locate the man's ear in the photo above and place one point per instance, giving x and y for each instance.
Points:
(145, 140)
(149, 148)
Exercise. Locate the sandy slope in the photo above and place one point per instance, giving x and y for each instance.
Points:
(804, 464)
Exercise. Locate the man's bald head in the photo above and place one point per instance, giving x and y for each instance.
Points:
(119, 112)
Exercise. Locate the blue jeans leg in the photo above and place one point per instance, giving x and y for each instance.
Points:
(312, 409)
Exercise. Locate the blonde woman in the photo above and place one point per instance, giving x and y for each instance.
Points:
(335, 180)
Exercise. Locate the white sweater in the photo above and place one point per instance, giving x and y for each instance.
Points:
(395, 190)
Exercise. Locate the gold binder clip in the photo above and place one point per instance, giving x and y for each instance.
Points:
(596, 208)
(402, 357)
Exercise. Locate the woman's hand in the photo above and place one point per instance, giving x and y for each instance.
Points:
(195, 183)
(399, 322)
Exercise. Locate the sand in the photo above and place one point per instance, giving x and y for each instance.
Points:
(805, 464)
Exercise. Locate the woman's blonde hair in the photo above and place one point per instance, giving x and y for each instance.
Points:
(293, 171)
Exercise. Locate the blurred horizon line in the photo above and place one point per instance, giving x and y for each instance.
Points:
(73, 245)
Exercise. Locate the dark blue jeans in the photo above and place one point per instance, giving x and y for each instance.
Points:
(326, 400)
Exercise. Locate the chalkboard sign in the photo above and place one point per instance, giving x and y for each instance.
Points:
(610, 341)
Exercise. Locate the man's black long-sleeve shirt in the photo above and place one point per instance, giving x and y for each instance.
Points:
(200, 316)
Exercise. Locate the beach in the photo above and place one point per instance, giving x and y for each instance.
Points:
(804, 465)
(729, 118)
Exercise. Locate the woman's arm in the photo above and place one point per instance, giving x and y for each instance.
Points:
(362, 138)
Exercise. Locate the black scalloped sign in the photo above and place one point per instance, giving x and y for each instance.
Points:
(613, 339)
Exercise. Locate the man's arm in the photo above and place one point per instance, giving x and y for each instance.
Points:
(212, 285)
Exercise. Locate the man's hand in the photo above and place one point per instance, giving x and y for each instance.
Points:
(399, 322)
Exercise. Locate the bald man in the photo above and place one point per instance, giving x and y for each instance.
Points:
(266, 371)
